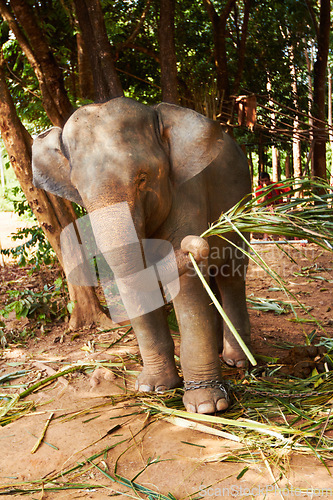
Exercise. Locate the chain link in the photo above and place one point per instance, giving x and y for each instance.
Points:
(192, 385)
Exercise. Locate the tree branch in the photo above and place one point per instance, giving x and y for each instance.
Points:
(145, 50)
(19, 35)
(242, 45)
(313, 17)
(212, 14)
(138, 27)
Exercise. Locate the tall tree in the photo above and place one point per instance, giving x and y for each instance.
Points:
(21, 20)
(92, 26)
(168, 60)
(319, 89)
(52, 213)
(225, 86)
(297, 154)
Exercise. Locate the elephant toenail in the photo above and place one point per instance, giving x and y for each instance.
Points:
(161, 388)
(191, 408)
(145, 388)
(206, 407)
(221, 404)
(230, 362)
(240, 363)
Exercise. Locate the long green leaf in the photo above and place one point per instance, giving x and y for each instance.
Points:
(223, 313)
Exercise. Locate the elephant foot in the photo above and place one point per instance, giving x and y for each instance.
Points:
(209, 397)
(154, 382)
(234, 355)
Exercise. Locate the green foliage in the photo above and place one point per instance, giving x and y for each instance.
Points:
(6, 202)
(36, 250)
(48, 305)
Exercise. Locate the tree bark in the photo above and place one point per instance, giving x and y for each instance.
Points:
(168, 59)
(297, 154)
(33, 43)
(86, 80)
(309, 65)
(242, 47)
(287, 167)
(319, 92)
(330, 121)
(220, 51)
(275, 164)
(53, 213)
(91, 21)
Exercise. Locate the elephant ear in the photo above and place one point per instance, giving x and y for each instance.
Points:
(50, 167)
(194, 140)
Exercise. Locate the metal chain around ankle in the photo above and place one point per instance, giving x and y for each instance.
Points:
(191, 385)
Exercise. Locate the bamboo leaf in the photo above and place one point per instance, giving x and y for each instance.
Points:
(223, 314)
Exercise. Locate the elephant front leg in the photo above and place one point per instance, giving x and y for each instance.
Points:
(157, 350)
(204, 391)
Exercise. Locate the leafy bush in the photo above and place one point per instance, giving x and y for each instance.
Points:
(50, 304)
(36, 250)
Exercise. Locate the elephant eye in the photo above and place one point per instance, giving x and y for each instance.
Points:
(142, 179)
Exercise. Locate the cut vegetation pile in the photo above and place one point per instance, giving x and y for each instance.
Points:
(281, 407)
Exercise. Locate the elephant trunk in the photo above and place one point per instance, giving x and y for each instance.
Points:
(140, 267)
(126, 251)
(195, 245)
(133, 258)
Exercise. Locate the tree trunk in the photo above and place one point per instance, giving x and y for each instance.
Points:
(261, 154)
(52, 213)
(287, 167)
(319, 94)
(309, 65)
(2, 171)
(33, 43)
(275, 164)
(220, 53)
(330, 121)
(91, 21)
(86, 80)
(168, 60)
(242, 46)
(219, 23)
(297, 157)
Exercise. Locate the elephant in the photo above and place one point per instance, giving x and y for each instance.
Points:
(175, 171)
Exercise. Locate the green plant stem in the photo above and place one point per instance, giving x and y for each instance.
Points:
(223, 313)
(50, 379)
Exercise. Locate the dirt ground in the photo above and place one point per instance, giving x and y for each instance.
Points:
(87, 420)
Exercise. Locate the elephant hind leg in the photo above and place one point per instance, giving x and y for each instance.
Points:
(232, 289)
(217, 319)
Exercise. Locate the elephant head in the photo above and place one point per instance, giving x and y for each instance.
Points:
(125, 154)
(125, 151)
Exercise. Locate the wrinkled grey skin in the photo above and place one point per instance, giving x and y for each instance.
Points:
(178, 171)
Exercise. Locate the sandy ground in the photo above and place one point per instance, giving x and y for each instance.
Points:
(87, 420)
(10, 222)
